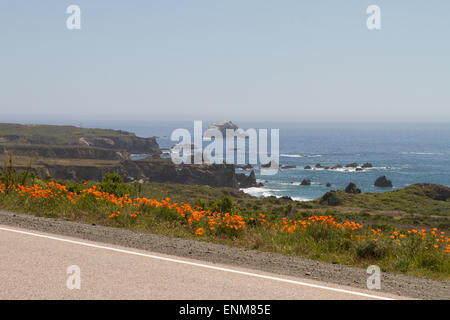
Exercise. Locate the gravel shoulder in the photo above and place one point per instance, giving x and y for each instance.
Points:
(270, 262)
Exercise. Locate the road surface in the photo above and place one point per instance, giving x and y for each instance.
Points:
(34, 265)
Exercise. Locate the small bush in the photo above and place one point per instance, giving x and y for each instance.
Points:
(200, 203)
(402, 264)
(113, 183)
(428, 260)
(224, 205)
(370, 250)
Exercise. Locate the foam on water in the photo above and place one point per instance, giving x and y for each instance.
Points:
(299, 155)
(261, 191)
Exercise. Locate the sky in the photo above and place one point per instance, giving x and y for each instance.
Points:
(284, 60)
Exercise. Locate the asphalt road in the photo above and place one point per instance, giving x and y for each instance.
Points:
(34, 265)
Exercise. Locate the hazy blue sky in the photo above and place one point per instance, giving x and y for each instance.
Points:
(212, 59)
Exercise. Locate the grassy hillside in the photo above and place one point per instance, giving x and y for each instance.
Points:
(38, 136)
(58, 135)
(408, 207)
(414, 199)
(363, 229)
(424, 205)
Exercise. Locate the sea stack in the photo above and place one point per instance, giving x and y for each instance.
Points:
(306, 182)
(383, 182)
(351, 188)
(223, 125)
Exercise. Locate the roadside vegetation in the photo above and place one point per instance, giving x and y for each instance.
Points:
(228, 217)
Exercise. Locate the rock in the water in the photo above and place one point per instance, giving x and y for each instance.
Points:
(330, 198)
(338, 166)
(244, 167)
(351, 188)
(318, 165)
(286, 198)
(383, 182)
(359, 169)
(352, 165)
(271, 164)
(367, 165)
(223, 125)
(328, 184)
(306, 182)
(308, 168)
(246, 181)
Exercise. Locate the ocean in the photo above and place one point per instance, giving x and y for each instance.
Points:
(404, 153)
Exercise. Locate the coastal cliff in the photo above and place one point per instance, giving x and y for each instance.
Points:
(67, 152)
(62, 152)
(152, 169)
(71, 142)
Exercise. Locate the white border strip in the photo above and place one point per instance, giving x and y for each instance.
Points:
(199, 265)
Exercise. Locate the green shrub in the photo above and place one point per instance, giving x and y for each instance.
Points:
(224, 205)
(200, 203)
(370, 250)
(113, 183)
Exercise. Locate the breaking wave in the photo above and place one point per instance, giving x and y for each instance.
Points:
(286, 155)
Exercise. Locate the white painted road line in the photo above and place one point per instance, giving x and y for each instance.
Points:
(200, 265)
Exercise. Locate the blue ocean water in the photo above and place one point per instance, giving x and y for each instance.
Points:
(405, 153)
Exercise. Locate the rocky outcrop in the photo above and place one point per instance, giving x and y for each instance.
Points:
(223, 125)
(351, 188)
(435, 191)
(271, 164)
(245, 181)
(164, 170)
(306, 182)
(383, 182)
(352, 165)
(330, 199)
(153, 170)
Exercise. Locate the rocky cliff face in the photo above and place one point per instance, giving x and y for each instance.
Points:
(164, 170)
(90, 153)
(62, 152)
(245, 181)
(154, 170)
(128, 143)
